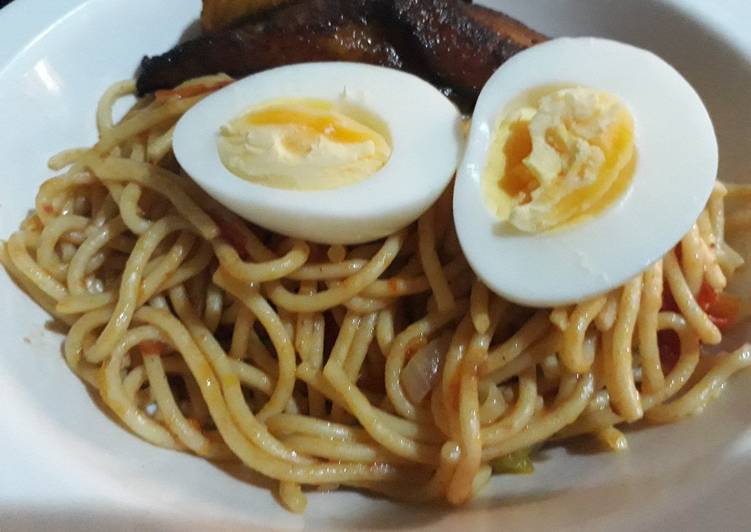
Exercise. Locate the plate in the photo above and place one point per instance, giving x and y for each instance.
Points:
(65, 464)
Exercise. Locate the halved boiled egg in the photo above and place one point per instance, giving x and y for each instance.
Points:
(587, 160)
(337, 153)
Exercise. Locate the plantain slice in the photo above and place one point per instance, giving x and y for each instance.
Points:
(217, 15)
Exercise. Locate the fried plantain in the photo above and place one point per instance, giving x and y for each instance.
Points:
(218, 15)
(453, 44)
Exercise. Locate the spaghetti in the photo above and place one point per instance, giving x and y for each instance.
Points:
(387, 366)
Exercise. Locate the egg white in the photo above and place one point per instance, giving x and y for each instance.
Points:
(675, 171)
(424, 128)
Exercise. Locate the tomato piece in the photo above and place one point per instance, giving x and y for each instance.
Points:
(706, 297)
(722, 308)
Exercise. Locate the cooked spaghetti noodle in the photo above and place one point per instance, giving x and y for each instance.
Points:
(386, 366)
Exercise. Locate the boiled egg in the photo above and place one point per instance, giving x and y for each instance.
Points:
(587, 160)
(336, 153)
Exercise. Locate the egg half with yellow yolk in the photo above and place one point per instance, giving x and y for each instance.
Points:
(304, 144)
(557, 158)
(336, 153)
(587, 160)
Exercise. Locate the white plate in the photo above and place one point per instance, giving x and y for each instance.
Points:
(64, 464)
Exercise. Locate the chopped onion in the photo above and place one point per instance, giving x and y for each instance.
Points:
(420, 374)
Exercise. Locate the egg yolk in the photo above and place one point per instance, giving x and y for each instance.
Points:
(304, 144)
(563, 158)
